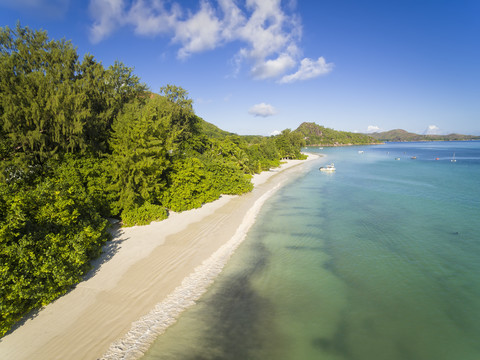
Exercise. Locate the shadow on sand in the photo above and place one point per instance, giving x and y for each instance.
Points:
(109, 249)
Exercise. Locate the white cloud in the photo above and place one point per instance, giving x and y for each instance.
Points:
(109, 14)
(273, 68)
(262, 109)
(200, 32)
(372, 128)
(432, 130)
(267, 31)
(275, 132)
(151, 18)
(309, 69)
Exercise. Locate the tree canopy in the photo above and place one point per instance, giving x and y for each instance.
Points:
(317, 135)
(80, 143)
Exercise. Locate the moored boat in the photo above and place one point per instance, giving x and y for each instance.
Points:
(330, 167)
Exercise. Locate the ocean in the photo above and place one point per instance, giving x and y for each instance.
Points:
(379, 260)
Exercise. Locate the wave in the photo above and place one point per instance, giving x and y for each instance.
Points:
(144, 331)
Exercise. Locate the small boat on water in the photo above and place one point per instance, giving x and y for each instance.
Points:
(414, 157)
(453, 159)
(330, 167)
(397, 158)
(360, 151)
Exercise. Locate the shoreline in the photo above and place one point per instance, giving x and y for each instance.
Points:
(147, 276)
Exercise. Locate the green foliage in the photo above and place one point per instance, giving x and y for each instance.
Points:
(317, 135)
(93, 174)
(184, 123)
(48, 234)
(402, 135)
(189, 186)
(80, 143)
(289, 143)
(140, 142)
(205, 175)
(211, 130)
(51, 103)
(228, 179)
(143, 215)
(40, 108)
(263, 154)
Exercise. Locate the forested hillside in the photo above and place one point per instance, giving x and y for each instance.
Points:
(316, 135)
(80, 143)
(402, 135)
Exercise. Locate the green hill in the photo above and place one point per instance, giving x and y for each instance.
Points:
(211, 130)
(317, 135)
(402, 135)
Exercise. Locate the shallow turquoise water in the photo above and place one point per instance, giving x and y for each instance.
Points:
(380, 260)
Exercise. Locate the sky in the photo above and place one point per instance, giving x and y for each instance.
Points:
(261, 66)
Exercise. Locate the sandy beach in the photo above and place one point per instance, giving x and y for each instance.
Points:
(146, 277)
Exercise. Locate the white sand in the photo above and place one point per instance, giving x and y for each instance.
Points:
(147, 276)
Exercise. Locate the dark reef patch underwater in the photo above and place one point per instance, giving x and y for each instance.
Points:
(380, 260)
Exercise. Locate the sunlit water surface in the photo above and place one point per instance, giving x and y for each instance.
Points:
(380, 260)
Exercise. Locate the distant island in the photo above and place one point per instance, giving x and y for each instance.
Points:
(402, 135)
(317, 135)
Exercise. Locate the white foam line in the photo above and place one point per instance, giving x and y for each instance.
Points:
(145, 330)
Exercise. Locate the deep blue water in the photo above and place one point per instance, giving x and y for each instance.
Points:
(379, 260)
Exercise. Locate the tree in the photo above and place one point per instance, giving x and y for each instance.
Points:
(179, 107)
(49, 232)
(105, 93)
(289, 144)
(52, 104)
(40, 110)
(141, 141)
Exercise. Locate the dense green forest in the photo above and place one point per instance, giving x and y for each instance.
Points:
(317, 135)
(81, 143)
(402, 135)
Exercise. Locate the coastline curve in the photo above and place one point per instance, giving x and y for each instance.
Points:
(145, 330)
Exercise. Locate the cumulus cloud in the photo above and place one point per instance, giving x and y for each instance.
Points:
(309, 69)
(108, 16)
(372, 128)
(268, 33)
(262, 109)
(275, 132)
(200, 32)
(432, 130)
(273, 68)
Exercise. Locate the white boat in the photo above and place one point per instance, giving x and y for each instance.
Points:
(330, 167)
(360, 151)
(453, 159)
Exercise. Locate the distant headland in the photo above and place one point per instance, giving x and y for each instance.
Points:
(317, 135)
(402, 135)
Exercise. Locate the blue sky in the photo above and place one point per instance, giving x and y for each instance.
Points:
(260, 66)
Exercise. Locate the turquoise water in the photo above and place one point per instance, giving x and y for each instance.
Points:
(380, 260)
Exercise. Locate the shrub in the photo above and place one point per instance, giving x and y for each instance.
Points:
(143, 215)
